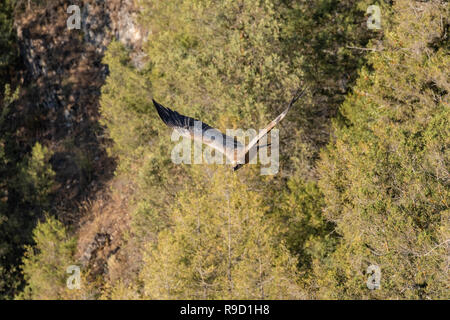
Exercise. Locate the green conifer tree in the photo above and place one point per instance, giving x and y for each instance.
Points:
(222, 245)
(385, 176)
(45, 264)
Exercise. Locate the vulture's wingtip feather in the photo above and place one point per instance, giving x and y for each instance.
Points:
(163, 112)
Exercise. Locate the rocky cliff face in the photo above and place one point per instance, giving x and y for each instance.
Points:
(61, 84)
(64, 64)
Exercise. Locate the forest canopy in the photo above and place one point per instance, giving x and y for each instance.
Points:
(364, 159)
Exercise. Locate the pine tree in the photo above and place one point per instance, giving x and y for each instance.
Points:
(221, 246)
(45, 264)
(385, 176)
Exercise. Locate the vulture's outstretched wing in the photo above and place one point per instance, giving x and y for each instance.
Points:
(200, 131)
(254, 142)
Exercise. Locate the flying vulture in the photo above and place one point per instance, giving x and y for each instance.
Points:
(236, 152)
